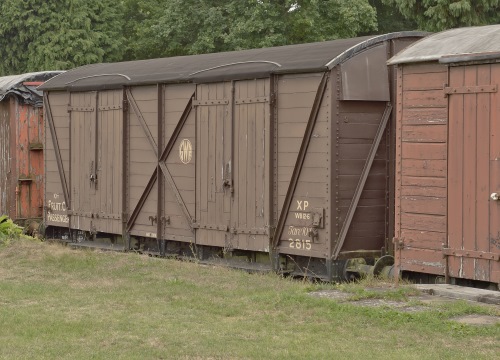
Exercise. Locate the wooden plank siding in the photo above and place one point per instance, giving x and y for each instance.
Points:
(296, 94)
(108, 202)
(295, 99)
(494, 216)
(59, 107)
(176, 98)
(53, 188)
(421, 169)
(473, 169)
(251, 129)
(142, 159)
(357, 128)
(213, 152)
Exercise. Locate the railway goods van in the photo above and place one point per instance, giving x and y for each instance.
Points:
(21, 146)
(279, 157)
(447, 206)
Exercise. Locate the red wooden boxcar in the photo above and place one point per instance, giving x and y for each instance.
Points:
(21, 145)
(448, 155)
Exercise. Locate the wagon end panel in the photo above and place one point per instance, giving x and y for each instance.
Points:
(368, 68)
(303, 164)
(421, 168)
(473, 248)
(142, 161)
(57, 159)
(6, 198)
(361, 177)
(179, 174)
(361, 127)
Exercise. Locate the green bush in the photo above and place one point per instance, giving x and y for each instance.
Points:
(8, 230)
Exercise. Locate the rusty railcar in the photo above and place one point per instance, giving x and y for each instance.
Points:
(279, 151)
(448, 156)
(21, 139)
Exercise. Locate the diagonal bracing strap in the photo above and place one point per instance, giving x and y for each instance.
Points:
(57, 150)
(362, 181)
(300, 158)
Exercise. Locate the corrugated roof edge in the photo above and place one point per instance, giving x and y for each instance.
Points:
(487, 56)
(403, 58)
(194, 77)
(374, 40)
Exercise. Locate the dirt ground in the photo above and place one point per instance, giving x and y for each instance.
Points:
(415, 303)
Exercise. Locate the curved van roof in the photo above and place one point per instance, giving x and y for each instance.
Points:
(232, 65)
(453, 45)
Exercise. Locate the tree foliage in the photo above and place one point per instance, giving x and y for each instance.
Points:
(140, 16)
(181, 27)
(438, 15)
(389, 18)
(61, 34)
(58, 34)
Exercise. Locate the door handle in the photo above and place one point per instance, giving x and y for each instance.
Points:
(494, 196)
(229, 184)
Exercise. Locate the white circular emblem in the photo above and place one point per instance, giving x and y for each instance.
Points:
(185, 151)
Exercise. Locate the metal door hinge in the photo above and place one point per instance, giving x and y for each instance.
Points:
(399, 243)
(471, 254)
(317, 218)
(448, 90)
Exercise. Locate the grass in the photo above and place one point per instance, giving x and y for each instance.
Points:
(57, 303)
(373, 288)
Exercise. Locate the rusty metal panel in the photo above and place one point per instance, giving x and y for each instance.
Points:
(473, 174)
(364, 76)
